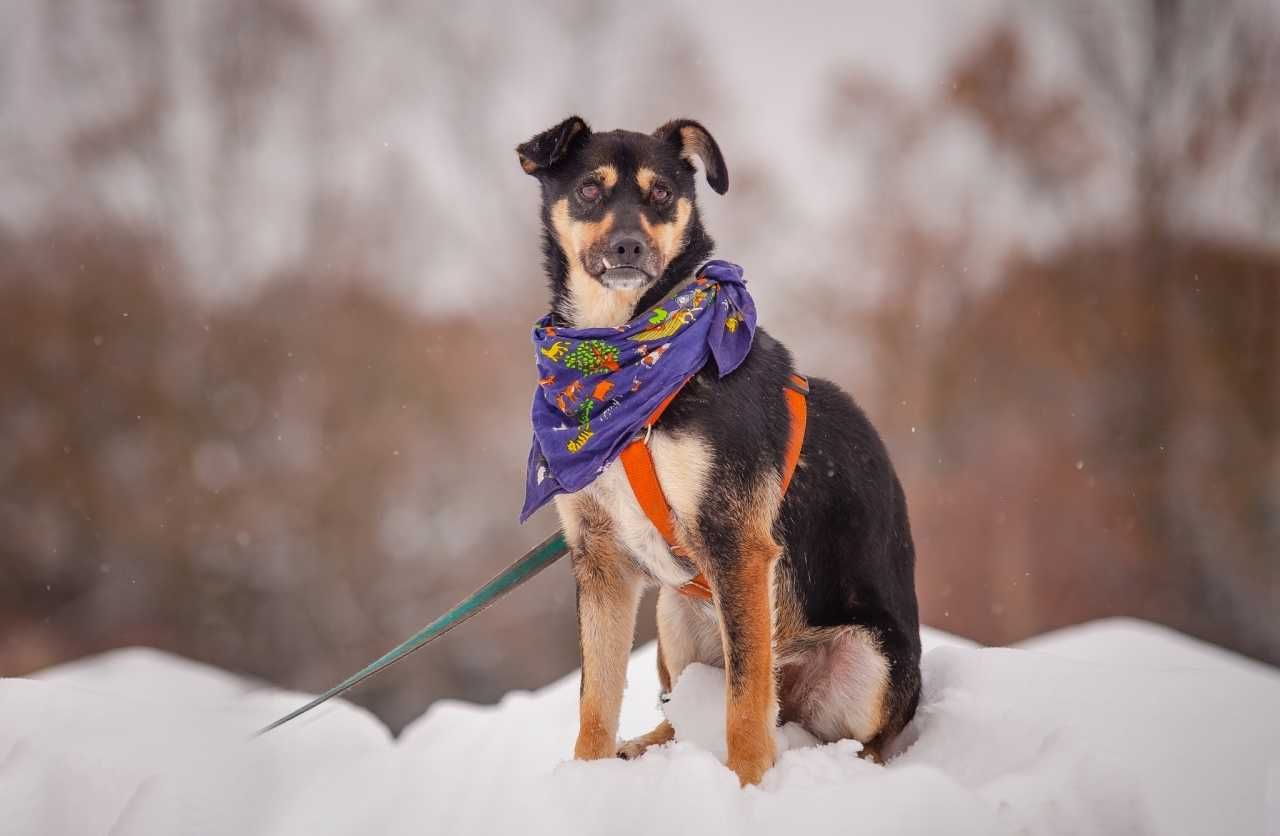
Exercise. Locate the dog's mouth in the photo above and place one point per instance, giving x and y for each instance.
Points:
(624, 278)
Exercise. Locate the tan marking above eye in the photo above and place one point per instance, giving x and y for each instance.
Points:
(608, 176)
(645, 178)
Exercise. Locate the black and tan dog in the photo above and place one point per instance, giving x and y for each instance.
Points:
(814, 610)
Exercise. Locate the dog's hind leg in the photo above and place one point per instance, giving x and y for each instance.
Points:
(637, 746)
(663, 732)
(843, 688)
(687, 632)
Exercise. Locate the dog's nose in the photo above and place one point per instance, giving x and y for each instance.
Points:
(626, 251)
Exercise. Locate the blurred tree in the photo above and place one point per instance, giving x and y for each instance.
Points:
(285, 487)
(1190, 88)
(1100, 414)
(241, 249)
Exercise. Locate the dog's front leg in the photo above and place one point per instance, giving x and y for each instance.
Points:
(743, 593)
(608, 596)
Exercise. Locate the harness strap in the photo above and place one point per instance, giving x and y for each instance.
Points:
(637, 461)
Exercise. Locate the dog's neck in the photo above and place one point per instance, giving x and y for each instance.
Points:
(578, 300)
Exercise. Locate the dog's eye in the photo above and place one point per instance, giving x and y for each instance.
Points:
(590, 192)
(660, 193)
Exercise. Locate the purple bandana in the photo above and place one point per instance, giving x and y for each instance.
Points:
(597, 386)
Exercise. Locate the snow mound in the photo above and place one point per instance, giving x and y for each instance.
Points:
(1116, 726)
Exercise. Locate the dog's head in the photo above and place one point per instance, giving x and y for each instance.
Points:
(620, 208)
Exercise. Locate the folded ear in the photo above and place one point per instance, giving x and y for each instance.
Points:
(552, 145)
(693, 140)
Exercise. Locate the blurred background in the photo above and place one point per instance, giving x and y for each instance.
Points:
(255, 254)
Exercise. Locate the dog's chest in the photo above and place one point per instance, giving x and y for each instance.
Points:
(682, 463)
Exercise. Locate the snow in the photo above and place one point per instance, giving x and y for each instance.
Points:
(1115, 726)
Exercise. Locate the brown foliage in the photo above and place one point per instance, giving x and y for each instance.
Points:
(1049, 491)
(284, 487)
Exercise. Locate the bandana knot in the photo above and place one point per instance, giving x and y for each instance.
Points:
(596, 386)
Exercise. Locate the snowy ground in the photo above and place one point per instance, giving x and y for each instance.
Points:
(1111, 727)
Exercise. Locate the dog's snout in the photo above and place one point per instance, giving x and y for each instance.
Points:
(627, 251)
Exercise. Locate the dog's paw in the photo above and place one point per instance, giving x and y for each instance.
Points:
(750, 771)
(637, 746)
(751, 763)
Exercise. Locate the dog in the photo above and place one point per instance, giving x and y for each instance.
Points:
(813, 612)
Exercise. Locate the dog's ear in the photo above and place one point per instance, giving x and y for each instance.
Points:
(541, 153)
(693, 140)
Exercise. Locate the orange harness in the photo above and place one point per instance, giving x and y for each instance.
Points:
(638, 463)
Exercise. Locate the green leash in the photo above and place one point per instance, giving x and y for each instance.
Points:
(534, 561)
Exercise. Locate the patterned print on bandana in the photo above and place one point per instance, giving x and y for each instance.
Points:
(596, 386)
